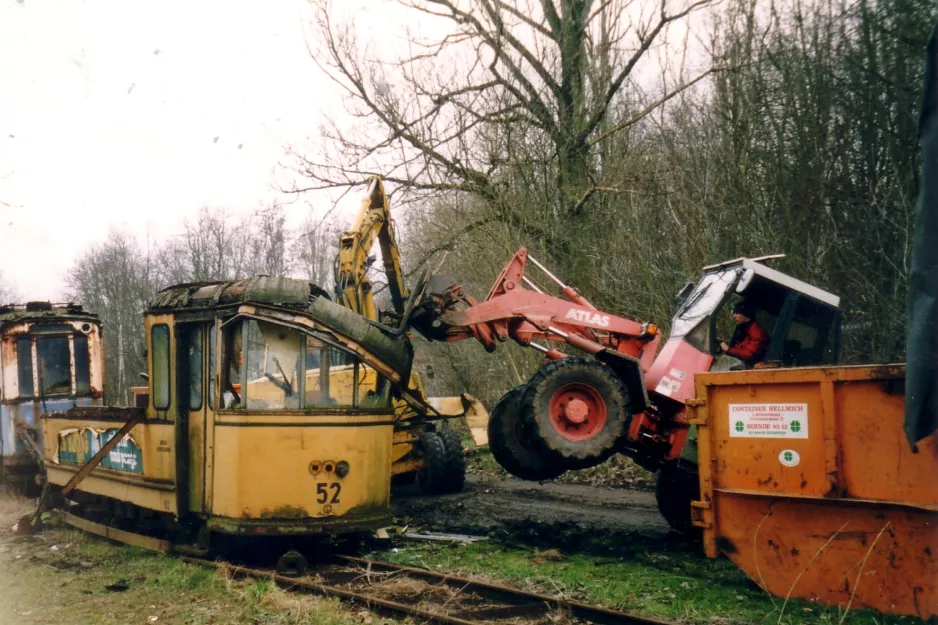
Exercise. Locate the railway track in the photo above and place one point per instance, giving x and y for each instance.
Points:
(433, 597)
(397, 590)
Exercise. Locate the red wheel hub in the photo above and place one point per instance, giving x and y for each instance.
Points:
(578, 411)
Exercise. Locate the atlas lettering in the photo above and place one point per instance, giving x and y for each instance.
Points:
(585, 316)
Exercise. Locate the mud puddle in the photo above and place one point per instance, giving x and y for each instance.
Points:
(569, 516)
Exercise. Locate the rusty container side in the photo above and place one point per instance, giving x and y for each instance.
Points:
(809, 485)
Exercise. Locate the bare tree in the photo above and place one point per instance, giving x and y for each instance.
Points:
(216, 246)
(514, 94)
(268, 242)
(8, 293)
(115, 280)
(314, 250)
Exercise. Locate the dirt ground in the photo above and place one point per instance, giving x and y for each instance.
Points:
(534, 512)
(599, 545)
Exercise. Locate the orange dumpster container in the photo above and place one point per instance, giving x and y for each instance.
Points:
(809, 485)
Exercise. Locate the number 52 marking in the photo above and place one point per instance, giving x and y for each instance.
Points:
(322, 492)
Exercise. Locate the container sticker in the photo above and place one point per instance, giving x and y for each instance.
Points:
(768, 420)
(678, 374)
(667, 386)
(789, 458)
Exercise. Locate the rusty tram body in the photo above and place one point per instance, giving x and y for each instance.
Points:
(263, 416)
(51, 360)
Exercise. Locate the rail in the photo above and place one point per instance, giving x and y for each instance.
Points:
(430, 596)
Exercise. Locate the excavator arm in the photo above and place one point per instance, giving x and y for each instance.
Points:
(354, 290)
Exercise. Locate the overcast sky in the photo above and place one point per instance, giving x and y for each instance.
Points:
(134, 114)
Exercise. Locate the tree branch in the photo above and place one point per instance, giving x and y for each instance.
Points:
(651, 107)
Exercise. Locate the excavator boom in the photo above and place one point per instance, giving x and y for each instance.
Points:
(354, 289)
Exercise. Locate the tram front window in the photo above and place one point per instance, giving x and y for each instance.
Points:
(272, 367)
(54, 365)
(271, 363)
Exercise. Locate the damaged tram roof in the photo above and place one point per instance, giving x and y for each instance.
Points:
(33, 312)
(293, 294)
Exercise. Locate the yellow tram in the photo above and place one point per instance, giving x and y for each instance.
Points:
(263, 417)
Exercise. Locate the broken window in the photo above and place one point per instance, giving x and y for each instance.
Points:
(271, 362)
(280, 368)
(55, 375)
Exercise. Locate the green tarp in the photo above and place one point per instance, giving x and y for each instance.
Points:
(921, 401)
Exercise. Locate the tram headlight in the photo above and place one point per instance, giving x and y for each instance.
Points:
(342, 468)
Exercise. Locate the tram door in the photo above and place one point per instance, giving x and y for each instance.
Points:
(197, 408)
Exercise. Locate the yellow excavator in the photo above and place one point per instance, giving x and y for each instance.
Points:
(424, 446)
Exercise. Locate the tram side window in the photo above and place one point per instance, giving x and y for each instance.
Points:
(24, 367)
(55, 376)
(82, 365)
(159, 340)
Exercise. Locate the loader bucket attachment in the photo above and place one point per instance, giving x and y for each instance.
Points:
(468, 407)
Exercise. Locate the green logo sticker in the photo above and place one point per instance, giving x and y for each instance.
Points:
(740, 426)
(796, 426)
(789, 458)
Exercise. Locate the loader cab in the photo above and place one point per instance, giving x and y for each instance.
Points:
(802, 320)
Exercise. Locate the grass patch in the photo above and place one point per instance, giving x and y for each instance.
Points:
(62, 576)
(671, 585)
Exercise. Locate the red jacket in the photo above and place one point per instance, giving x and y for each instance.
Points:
(749, 343)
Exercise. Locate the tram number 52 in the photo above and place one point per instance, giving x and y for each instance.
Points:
(328, 493)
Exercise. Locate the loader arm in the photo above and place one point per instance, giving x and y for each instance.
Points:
(354, 289)
(525, 315)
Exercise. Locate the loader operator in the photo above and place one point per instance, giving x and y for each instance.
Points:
(750, 340)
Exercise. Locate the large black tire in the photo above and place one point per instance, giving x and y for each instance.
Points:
(602, 401)
(432, 477)
(676, 487)
(509, 443)
(455, 478)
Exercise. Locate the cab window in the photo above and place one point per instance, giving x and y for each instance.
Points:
(55, 375)
(810, 339)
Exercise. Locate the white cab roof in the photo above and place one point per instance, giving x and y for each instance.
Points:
(780, 278)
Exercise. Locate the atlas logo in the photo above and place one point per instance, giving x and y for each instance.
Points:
(585, 316)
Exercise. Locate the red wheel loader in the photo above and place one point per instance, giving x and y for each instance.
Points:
(623, 395)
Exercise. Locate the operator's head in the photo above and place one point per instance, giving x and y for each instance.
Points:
(743, 312)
